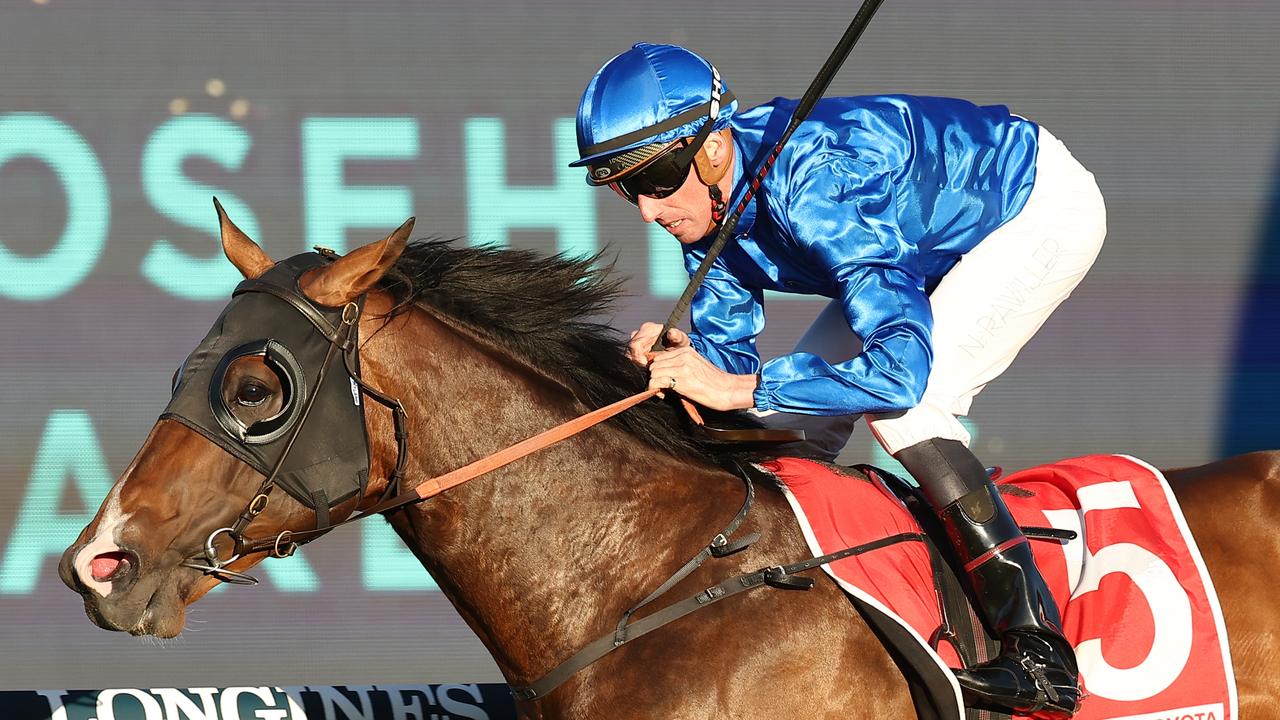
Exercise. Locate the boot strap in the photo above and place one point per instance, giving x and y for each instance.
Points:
(988, 555)
(1043, 686)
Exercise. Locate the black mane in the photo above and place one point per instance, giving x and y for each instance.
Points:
(541, 309)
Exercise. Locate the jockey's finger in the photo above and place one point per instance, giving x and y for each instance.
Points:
(662, 382)
(638, 350)
(676, 338)
(641, 340)
(668, 367)
(673, 357)
(661, 357)
(637, 355)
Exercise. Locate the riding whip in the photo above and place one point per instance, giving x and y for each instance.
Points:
(803, 108)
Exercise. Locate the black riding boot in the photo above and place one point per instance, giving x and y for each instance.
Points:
(1036, 669)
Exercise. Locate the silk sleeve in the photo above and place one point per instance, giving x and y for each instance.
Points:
(844, 224)
(725, 318)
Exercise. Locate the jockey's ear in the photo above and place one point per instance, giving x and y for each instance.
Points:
(353, 274)
(243, 252)
(715, 157)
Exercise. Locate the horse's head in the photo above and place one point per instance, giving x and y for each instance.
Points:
(265, 400)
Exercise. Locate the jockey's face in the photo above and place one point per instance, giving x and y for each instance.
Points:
(686, 213)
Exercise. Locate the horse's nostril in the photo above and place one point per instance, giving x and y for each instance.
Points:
(111, 565)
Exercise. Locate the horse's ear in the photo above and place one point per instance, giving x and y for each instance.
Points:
(353, 274)
(243, 252)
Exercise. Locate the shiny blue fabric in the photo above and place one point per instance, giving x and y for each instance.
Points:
(640, 88)
(871, 202)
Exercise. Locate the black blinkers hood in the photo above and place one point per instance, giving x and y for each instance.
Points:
(269, 316)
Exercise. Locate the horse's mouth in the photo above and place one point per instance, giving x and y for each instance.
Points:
(151, 606)
(159, 618)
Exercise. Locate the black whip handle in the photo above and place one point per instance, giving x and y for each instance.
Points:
(810, 98)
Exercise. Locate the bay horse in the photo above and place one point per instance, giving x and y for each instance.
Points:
(485, 347)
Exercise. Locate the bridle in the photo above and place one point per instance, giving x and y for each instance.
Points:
(343, 338)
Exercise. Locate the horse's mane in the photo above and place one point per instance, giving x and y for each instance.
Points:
(541, 309)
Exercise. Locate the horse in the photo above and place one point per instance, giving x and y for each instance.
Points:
(484, 347)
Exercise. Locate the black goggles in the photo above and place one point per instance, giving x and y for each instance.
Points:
(660, 176)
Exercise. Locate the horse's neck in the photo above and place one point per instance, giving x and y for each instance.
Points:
(543, 555)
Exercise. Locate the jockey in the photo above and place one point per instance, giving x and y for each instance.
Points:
(944, 233)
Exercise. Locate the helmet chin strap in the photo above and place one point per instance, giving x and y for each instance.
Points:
(718, 205)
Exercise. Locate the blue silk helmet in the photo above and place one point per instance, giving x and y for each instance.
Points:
(643, 100)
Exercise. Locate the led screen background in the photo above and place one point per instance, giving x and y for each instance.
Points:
(329, 123)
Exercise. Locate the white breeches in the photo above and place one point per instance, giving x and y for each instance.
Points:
(985, 309)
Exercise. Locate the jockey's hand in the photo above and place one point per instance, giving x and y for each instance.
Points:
(684, 371)
(642, 340)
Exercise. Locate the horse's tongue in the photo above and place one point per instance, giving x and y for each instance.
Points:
(103, 565)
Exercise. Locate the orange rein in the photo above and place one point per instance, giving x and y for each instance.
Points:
(436, 485)
(284, 544)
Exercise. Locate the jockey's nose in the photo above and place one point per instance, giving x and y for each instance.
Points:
(649, 208)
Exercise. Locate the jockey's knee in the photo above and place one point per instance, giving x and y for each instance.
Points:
(926, 421)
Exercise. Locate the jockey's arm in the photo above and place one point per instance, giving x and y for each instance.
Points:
(843, 222)
(718, 365)
(725, 317)
(892, 318)
(845, 226)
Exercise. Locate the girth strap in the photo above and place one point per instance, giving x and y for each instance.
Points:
(720, 543)
(777, 576)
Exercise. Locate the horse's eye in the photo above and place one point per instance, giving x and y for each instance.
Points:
(252, 393)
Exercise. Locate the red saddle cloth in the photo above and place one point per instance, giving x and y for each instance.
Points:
(1138, 604)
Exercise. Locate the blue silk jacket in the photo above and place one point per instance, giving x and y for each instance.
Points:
(871, 202)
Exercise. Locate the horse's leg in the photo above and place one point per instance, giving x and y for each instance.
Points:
(1232, 507)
